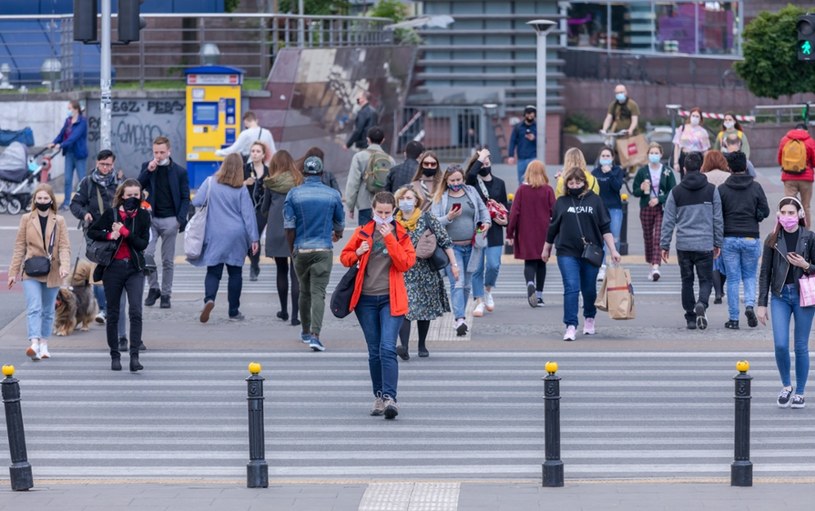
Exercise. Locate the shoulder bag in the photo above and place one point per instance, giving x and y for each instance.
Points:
(591, 252)
(102, 252)
(196, 229)
(40, 266)
(426, 245)
(341, 297)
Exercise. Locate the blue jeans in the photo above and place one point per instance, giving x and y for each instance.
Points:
(234, 286)
(492, 256)
(616, 225)
(71, 164)
(380, 330)
(780, 311)
(740, 256)
(39, 306)
(460, 289)
(521, 169)
(579, 277)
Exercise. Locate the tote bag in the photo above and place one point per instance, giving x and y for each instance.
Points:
(196, 229)
(341, 297)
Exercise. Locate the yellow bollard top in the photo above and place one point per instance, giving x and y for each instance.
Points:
(742, 366)
(551, 367)
(8, 370)
(254, 367)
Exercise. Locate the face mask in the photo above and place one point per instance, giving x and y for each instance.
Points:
(44, 207)
(70, 112)
(428, 172)
(381, 221)
(575, 192)
(620, 97)
(654, 158)
(605, 161)
(165, 161)
(484, 171)
(406, 206)
(456, 188)
(131, 204)
(788, 222)
(695, 121)
(729, 125)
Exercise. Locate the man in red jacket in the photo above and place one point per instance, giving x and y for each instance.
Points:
(798, 183)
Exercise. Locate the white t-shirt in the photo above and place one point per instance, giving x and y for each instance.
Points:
(245, 140)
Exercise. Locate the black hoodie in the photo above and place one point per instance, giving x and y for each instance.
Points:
(744, 205)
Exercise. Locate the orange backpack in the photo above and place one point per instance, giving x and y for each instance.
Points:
(794, 157)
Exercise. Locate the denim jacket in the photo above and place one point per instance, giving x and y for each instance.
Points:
(315, 212)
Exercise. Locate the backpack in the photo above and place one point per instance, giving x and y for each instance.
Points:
(794, 157)
(376, 173)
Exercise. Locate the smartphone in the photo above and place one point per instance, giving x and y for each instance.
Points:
(792, 253)
(456, 207)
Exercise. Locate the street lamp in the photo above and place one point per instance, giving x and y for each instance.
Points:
(542, 28)
(210, 54)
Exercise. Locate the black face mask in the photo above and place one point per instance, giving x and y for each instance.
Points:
(575, 192)
(131, 204)
(428, 172)
(484, 171)
(44, 207)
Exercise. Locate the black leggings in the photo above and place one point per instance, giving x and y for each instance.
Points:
(535, 271)
(423, 326)
(284, 270)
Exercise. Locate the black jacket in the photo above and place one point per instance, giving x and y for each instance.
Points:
(179, 190)
(86, 200)
(774, 264)
(497, 190)
(401, 175)
(366, 119)
(744, 205)
(594, 221)
(137, 240)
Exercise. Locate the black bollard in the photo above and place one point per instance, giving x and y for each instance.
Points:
(553, 466)
(741, 470)
(624, 230)
(20, 469)
(257, 471)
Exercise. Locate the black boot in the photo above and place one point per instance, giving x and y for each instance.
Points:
(134, 363)
(115, 364)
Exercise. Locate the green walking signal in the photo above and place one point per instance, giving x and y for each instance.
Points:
(806, 37)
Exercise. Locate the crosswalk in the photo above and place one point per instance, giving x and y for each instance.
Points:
(463, 415)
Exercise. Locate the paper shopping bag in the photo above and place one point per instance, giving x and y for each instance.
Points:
(633, 151)
(620, 293)
(806, 291)
(601, 302)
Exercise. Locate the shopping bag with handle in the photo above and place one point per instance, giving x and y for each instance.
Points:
(620, 293)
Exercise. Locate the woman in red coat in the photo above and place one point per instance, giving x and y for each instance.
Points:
(528, 223)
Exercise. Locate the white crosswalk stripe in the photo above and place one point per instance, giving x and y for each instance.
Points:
(462, 415)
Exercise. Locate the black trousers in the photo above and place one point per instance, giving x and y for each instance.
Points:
(122, 277)
(703, 263)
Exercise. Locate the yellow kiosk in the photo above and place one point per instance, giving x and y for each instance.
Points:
(213, 117)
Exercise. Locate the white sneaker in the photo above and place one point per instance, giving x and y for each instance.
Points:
(100, 318)
(43, 351)
(601, 275)
(588, 326)
(651, 274)
(33, 351)
(489, 302)
(655, 275)
(479, 310)
(571, 333)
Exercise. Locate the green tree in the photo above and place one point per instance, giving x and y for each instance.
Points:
(397, 11)
(318, 7)
(770, 67)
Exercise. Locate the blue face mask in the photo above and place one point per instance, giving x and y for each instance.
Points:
(605, 161)
(380, 221)
(456, 188)
(620, 97)
(654, 158)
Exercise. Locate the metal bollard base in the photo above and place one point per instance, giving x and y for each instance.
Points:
(741, 473)
(257, 474)
(21, 478)
(552, 474)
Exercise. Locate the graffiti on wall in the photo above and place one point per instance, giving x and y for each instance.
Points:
(135, 123)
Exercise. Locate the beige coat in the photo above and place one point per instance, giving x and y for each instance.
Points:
(29, 244)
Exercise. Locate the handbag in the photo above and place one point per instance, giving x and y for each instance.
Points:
(591, 252)
(438, 261)
(196, 229)
(427, 245)
(806, 291)
(101, 252)
(341, 297)
(40, 266)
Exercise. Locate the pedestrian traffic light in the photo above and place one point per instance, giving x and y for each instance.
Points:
(130, 23)
(806, 37)
(85, 20)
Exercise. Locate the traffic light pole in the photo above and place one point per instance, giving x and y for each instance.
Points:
(104, 79)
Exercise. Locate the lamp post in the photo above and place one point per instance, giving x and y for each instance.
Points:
(542, 28)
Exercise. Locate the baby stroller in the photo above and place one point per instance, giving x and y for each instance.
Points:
(19, 175)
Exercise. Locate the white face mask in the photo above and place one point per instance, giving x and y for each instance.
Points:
(165, 161)
(380, 221)
(729, 124)
(695, 120)
(406, 206)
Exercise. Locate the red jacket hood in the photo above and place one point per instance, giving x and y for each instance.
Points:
(797, 134)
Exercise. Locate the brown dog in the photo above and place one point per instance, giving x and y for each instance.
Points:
(75, 307)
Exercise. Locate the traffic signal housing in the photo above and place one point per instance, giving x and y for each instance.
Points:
(85, 20)
(806, 37)
(130, 23)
